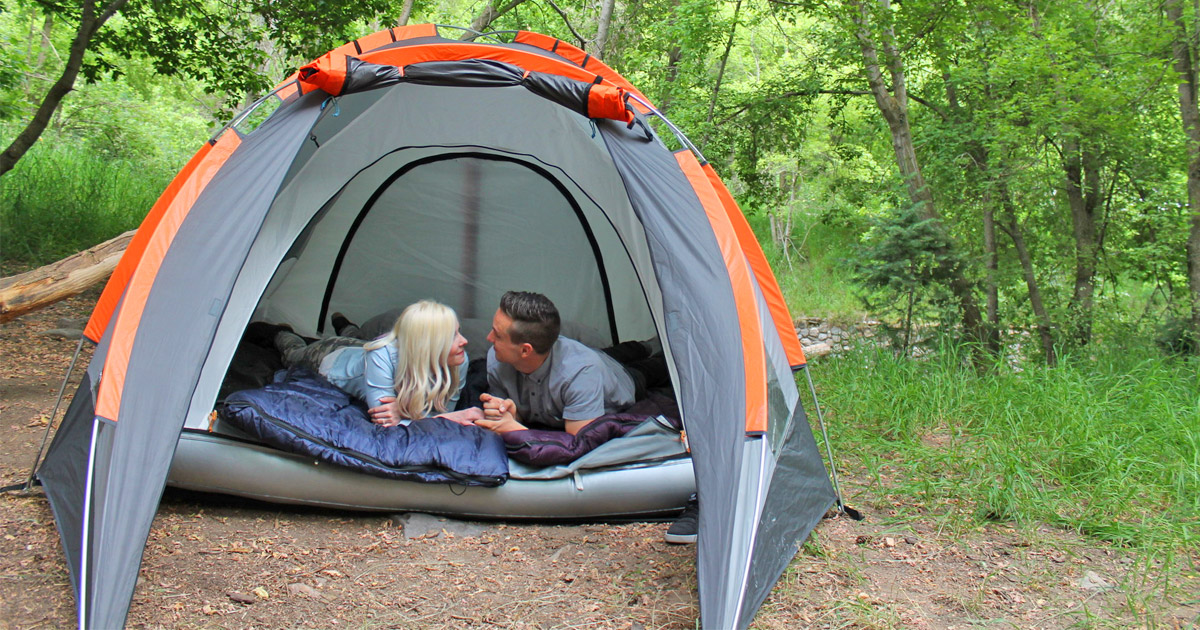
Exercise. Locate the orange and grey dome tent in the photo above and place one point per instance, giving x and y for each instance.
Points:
(407, 165)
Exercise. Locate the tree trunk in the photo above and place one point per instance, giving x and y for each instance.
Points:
(674, 57)
(46, 44)
(981, 159)
(602, 26)
(712, 102)
(1014, 231)
(44, 286)
(894, 108)
(485, 18)
(89, 23)
(1083, 195)
(405, 13)
(1186, 66)
(992, 263)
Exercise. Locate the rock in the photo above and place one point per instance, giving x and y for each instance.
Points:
(298, 588)
(61, 333)
(77, 323)
(836, 331)
(817, 350)
(241, 598)
(418, 525)
(823, 336)
(1092, 581)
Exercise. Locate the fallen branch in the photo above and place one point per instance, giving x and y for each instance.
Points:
(70, 276)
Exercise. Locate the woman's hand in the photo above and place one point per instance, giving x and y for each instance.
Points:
(503, 425)
(387, 414)
(464, 417)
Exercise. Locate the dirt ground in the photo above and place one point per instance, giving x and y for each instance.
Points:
(216, 562)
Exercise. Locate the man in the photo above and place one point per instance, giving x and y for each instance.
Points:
(540, 379)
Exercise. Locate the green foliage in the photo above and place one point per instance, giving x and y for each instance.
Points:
(63, 198)
(1105, 443)
(904, 263)
(812, 278)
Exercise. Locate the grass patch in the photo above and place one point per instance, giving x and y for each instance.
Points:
(1107, 444)
(63, 198)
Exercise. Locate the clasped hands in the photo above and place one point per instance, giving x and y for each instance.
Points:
(498, 414)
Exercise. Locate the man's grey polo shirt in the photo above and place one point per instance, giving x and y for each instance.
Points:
(574, 383)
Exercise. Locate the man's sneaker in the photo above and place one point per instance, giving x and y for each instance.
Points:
(683, 530)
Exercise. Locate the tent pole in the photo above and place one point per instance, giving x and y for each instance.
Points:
(837, 488)
(54, 414)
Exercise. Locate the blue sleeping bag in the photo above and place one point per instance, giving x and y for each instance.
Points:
(301, 412)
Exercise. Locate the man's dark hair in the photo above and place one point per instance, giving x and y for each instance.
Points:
(535, 319)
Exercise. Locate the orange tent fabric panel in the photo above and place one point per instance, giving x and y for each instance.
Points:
(753, 350)
(762, 272)
(375, 40)
(133, 252)
(456, 52)
(415, 30)
(154, 249)
(607, 101)
(328, 73)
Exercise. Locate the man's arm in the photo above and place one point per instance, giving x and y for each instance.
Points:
(583, 400)
(573, 426)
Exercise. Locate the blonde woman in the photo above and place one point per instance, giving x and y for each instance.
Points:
(415, 371)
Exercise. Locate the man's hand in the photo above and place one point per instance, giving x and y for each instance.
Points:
(499, 414)
(495, 408)
(464, 417)
(387, 414)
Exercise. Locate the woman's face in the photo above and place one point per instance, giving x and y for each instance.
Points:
(458, 350)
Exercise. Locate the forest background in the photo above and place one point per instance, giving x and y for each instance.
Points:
(1010, 187)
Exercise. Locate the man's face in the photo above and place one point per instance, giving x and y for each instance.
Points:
(506, 350)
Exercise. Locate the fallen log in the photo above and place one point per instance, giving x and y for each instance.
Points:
(32, 290)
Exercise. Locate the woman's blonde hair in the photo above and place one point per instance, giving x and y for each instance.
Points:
(424, 336)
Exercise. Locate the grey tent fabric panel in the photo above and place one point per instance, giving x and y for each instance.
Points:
(174, 334)
(698, 298)
(465, 229)
(782, 395)
(64, 473)
(440, 120)
(797, 498)
(105, 435)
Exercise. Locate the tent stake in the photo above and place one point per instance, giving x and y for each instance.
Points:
(837, 488)
(54, 414)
